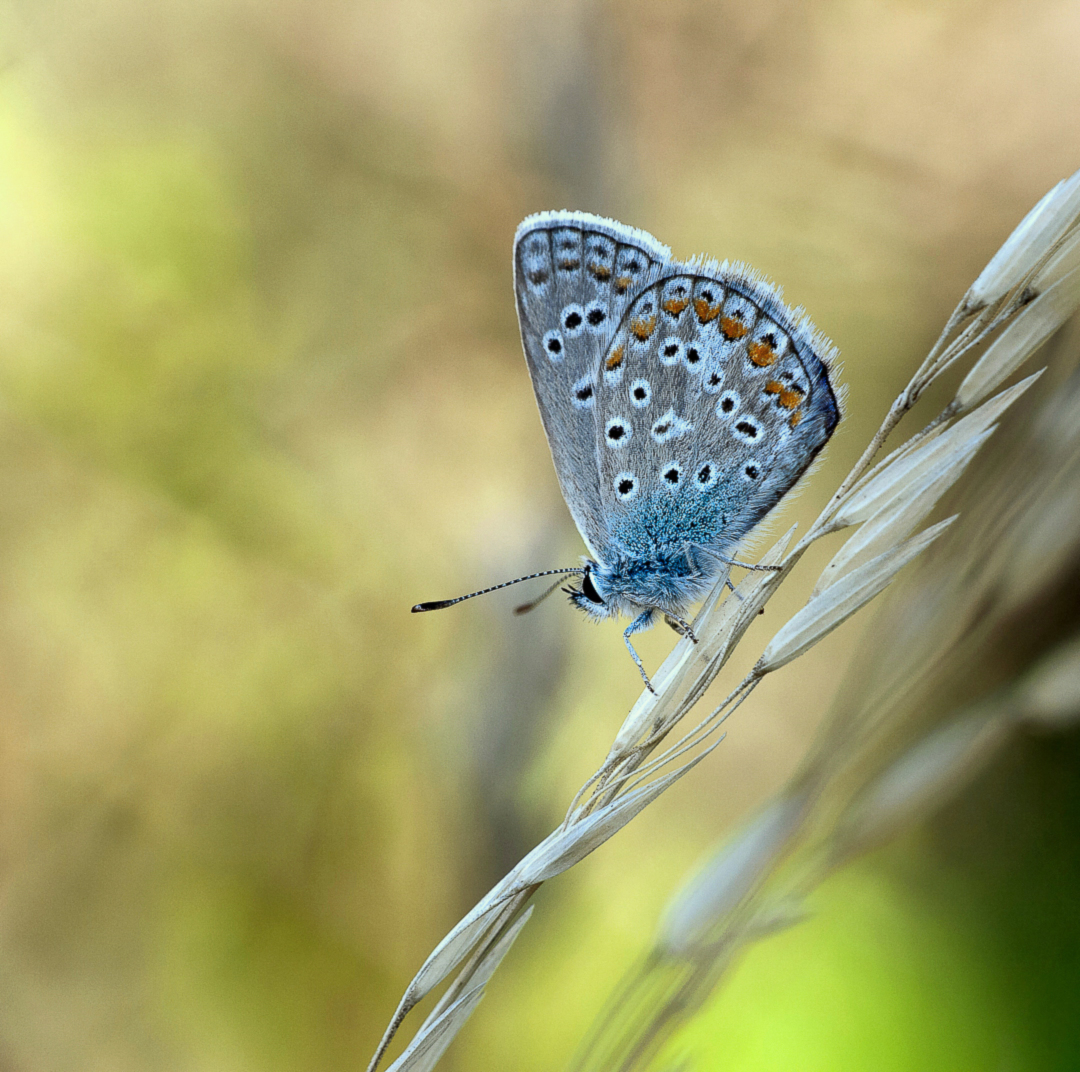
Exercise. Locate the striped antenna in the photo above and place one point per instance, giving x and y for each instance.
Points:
(440, 603)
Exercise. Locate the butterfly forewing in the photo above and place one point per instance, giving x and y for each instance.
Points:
(711, 403)
(574, 278)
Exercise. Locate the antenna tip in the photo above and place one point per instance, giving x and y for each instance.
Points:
(438, 604)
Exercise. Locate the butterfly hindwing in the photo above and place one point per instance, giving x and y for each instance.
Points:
(713, 400)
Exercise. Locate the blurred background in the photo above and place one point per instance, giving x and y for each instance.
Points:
(261, 390)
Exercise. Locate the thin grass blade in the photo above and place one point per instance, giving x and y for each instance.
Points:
(571, 844)
(455, 947)
(1031, 328)
(888, 527)
(836, 604)
(921, 777)
(1064, 261)
(423, 1053)
(733, 872)
(886, 485)
(1051, 695)
(714, 626)
(1045, 224)
(494, 956)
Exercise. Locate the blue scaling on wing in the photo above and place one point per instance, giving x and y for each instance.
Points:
(738, 405)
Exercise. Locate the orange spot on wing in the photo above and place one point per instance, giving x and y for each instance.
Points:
(674, 306)
(795, 418)
(790, 397)
(732, 328)
(623, 283)
(642, 329)
(614, 359)
(569, 264)
(761, 353)
(705, 311)
(600, 271)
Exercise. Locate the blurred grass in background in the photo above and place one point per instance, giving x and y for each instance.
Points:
(261, 390)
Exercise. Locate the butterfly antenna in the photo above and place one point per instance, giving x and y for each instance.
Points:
(524, 608)
(439, 604)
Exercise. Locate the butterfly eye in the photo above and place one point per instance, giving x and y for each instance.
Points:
(588, 589)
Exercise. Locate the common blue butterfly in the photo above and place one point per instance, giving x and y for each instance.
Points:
(681, 401)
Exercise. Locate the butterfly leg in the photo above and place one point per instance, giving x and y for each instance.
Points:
(694, 558)
(681, 627)
(642, 621)
(750, 565)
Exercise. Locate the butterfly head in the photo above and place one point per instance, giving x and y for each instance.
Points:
(593, 596)
(664, 581)
(625, 586)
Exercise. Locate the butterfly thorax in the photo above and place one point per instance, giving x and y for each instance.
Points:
(666, 581)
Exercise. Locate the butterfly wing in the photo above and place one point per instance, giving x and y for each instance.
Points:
(574, 276)
(713, 400)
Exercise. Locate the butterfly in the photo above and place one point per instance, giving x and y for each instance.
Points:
(681, 401)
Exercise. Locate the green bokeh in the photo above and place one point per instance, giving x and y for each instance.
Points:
(957, 948)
